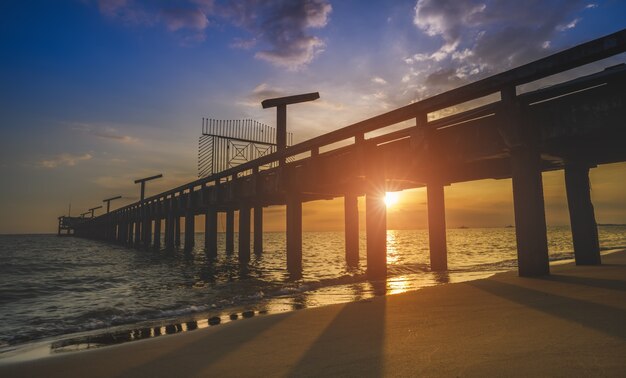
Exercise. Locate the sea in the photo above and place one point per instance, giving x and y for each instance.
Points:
(61, 294)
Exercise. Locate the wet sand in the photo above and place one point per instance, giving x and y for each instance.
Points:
(572, 323)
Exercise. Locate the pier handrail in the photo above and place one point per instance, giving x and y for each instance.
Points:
(565, 60)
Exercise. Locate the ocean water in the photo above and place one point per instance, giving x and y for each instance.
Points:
(73, 293)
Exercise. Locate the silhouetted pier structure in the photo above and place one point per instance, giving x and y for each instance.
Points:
(572, 126)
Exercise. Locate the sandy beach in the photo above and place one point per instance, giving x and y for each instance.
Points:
(572, 323)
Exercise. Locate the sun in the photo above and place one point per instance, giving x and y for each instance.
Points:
(391, 198)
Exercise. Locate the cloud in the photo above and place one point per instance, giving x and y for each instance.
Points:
(478, 38)
(103, 132)
(379, 80)
(280, 28)
(64, 159)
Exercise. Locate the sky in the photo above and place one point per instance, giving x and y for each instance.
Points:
(97, 93)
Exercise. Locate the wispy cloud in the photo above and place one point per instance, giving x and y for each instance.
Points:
(102, 132)
(64, 159)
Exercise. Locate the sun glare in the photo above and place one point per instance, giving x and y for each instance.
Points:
(391, 198)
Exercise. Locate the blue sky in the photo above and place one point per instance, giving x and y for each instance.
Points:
(94, 94)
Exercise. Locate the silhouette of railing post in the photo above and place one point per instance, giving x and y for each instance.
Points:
(530, 219)
(581, 213)
(351, 221)
(244, 233)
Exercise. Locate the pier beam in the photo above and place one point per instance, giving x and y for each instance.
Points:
(294, 235)
(210, 231)
(351, 221)
(530, 219)
(190, 229)
(437, 227)
(244, 234)
(230, 231)
(156, 243)
(581, 215)
(258, 230)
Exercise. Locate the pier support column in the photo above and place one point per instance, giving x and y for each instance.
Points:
(258, 230)
(437, 227)
(177, 230)
(351, 221)
(147, 224)
(530, 219)
(230, 231)
(210, 232)
(581, 215)
(169, 231)
(137, 241)
(376, 233)
(190, 229)
(157, 233)
(244, 234)
(129, 233)
(294, 235)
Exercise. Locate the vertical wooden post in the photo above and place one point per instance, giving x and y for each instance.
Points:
(437, 227)
(230, 231)
(581, 215)
(294, 235)
(210, 231)
(530, 219)
(351, 221)
(244, 234)
(258, 229)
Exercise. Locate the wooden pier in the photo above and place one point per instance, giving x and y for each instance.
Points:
(573, 126)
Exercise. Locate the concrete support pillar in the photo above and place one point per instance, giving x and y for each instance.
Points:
(230, 231)
(147, 224)
(137, 232)
(530, 220)
(294, 235)
(351, 217)
(210, 232)
(581, 215)
(169, 231)
(190, 229)
(258, 230)
(244, 234)
(157, 233)
(131, 227)
(437, 227)
(376, 233)
(177, 230)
